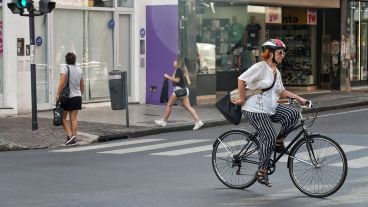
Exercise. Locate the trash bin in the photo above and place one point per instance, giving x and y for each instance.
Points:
(117, 88)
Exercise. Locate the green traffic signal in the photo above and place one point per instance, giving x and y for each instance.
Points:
(24, 3)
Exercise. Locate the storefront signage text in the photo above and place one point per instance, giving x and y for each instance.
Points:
(290, 19)
(294, 16)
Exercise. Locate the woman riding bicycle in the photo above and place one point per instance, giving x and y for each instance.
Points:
(263, 108)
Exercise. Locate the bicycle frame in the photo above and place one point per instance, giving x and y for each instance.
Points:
(303, 133)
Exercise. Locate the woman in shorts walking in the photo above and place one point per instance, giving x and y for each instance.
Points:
(74, 103)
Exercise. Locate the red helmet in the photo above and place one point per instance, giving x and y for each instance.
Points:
(273, 44)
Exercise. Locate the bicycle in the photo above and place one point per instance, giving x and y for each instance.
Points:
(317, 164)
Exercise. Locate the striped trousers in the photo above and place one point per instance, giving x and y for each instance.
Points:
(286, 116)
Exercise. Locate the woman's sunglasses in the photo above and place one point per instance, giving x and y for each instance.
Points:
(280, 52)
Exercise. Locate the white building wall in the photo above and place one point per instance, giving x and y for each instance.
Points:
(17, 76)
(140, 11)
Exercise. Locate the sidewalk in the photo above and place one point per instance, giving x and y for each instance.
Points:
(98, 123)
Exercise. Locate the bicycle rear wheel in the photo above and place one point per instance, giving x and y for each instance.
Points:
(235, 159)
(326, 175)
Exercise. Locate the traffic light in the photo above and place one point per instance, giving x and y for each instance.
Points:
(18, 6)
(23, 4)
(46, 6)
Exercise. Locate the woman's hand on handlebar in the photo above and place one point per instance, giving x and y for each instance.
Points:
(302, 101)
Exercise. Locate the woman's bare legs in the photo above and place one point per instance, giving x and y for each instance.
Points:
(74, 122)
(169, 105)
(66, 125)
(189, 108)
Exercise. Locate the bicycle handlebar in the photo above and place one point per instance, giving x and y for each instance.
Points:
(307, 105)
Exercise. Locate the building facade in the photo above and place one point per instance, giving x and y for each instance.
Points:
(104, 34)
(327, 43)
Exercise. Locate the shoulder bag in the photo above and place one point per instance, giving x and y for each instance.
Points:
(66, 90)
(230, 111)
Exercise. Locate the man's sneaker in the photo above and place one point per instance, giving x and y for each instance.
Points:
(71, 140)
(161, 122)
(198, 125)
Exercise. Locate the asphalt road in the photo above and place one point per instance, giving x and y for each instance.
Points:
(172, 169)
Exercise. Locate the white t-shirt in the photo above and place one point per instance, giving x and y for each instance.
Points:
(76, 75)
(260, 76)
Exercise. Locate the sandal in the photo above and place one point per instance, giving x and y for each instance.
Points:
(262, 177)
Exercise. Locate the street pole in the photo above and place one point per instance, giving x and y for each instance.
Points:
(33, 70)
(125, 93)
(18, 7)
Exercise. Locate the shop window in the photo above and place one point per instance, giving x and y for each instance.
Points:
(229, 36)
(89, 3)
(1, 58)
(100, 3)
(358, 34)
(298, 31)
(42, 69)
(126, 3)
(92, 42)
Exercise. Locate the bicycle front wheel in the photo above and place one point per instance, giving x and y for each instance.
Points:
(235, 159)
(321, 171)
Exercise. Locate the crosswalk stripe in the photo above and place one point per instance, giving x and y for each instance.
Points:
(185, 151)
(101, 146)
(355, 163)
(152, 147)
(193, 149)
(225, 154)
(345, 147)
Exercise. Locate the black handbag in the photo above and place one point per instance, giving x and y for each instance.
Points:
(181, 92)
(66, 90)
(58, 115)
(230, 111)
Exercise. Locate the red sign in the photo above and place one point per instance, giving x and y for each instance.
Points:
(312, 16)
(273, 15)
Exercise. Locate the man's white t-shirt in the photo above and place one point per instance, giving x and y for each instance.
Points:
(260, 76)
(76, 75)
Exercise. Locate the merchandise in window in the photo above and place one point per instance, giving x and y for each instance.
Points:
(126, 3)
(89, 3)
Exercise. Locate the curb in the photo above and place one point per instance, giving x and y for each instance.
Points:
(209, 123)
(159, 130)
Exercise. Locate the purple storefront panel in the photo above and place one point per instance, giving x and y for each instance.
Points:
(162, 48)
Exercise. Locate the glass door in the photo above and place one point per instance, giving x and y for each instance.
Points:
(358, 75)
(363, 51)
(124, 59)
(42, 64)
(1, 60)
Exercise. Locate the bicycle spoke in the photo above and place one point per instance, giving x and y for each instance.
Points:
(234, 159)
(327, 175)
